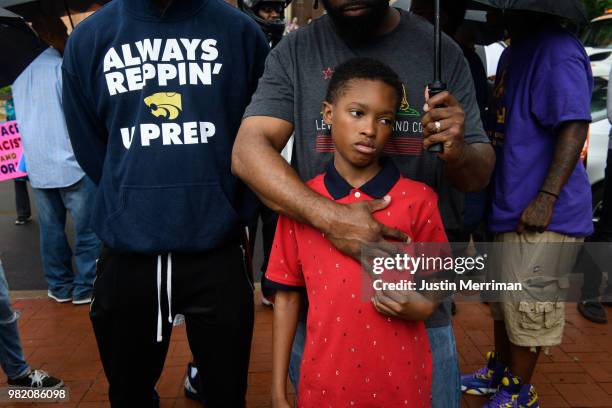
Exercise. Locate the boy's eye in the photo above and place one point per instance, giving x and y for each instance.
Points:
(386, 122)
(356, 113)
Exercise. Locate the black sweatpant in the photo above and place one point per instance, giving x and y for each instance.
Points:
(214, 293)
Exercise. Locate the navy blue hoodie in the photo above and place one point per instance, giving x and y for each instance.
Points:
(153, 103)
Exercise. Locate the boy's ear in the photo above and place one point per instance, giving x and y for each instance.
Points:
(328, 113)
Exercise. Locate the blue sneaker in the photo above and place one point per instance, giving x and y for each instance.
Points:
(513, 394)
(486, 380)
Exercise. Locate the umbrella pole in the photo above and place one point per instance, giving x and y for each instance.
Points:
(437, 86)
(68, 14)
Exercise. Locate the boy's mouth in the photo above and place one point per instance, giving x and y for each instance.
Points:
(365, 148)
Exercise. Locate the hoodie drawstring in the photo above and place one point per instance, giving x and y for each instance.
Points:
(169, 287)
(159, 315)
(168, 293)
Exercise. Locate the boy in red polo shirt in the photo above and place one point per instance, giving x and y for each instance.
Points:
(355, 353)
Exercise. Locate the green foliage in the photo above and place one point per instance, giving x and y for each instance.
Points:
(595, 8)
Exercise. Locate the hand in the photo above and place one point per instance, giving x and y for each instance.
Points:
(445, 109)
(538, 214)
(403, 304)
(353, 227)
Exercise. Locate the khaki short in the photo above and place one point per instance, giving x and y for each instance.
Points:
(535, 316)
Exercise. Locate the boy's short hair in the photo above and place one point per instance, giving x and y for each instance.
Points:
(362, 68)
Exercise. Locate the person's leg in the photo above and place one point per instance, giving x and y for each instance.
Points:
(124, 314)
(524, 360)
(215, 294)
(12, 359)
(446, 380)
(22, 202)
(502, 343)
(55, 251)
(78, 199)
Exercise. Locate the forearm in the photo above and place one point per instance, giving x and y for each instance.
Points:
(472, 172)
(286, 312)
(258, 163)
(570, 142)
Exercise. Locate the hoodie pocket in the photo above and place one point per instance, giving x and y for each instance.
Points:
(189, 217)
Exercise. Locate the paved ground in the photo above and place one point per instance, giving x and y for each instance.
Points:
(59, 338)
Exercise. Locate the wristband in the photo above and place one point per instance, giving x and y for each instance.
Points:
(549, 193)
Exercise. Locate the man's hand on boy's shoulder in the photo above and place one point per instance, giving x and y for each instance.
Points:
(444, 122)
(352, 227)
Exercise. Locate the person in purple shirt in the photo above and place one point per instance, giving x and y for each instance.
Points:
(541, 195)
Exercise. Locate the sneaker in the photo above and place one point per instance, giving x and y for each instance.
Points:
(267, 300)
(192, 382)
(59, 299)
(22, 220)
(513, 394)
(36, 379)
(593, 311)
(486, 380)
(82, 299)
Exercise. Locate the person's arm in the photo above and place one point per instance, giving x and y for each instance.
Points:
(410, 304)
(286, 312)
(468, 156)
(566, 111)
(538, 215)
(87, 133)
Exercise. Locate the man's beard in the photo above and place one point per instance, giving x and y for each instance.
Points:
(358, 28)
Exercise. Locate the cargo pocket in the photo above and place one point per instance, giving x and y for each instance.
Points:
(554, 315)
(539, 315)
(530, 318)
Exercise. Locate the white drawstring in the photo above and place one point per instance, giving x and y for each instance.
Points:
(169, 286)
(159, 313)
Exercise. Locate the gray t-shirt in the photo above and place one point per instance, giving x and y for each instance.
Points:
(295, 81)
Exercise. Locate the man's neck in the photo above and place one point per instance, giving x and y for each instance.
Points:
(389, 22)
(356, 176)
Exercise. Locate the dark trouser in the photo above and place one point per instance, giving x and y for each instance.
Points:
(22, 199)
(268, 228)
(603, 233)
(213, 292)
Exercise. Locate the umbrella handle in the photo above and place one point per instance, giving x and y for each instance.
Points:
(436, 88)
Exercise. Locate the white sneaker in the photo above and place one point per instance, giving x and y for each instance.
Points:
(59, 299)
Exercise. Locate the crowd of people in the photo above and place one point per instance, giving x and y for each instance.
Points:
(167, 129)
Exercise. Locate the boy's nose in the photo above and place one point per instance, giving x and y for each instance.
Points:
(369, 128)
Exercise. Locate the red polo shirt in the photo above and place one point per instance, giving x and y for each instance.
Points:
(355, 356)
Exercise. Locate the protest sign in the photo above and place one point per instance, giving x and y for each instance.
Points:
(10, 151)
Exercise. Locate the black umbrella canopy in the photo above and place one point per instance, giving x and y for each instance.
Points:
(19, 44)
(570, 9)
(29, 8)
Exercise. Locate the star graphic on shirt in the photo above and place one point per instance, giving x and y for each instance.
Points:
(327, 73)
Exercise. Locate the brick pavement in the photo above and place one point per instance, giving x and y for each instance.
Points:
(59, 339)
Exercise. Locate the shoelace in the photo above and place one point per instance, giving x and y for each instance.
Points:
(482, 373)
(37, 377)
(499, 398)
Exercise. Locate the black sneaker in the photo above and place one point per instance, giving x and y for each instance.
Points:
(593, 311)
(22, 220)
(192, 383)
(36, 379)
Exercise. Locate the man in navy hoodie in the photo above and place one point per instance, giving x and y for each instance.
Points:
(154, 92)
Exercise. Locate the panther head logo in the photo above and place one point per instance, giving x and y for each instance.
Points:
(165, 104)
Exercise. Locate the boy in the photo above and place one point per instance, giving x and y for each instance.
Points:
(347, 339)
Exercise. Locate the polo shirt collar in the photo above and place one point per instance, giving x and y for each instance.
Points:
(377, 187)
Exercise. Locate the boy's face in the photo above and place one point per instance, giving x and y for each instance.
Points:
(362, 119)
